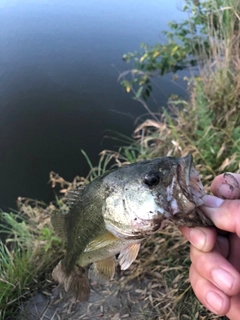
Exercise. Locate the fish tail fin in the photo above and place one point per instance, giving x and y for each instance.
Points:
(76, 283)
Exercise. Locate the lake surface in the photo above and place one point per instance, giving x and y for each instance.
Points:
(59, 90)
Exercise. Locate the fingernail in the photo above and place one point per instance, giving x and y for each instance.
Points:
(214, 301)
(197, 238)
(223, 279)
(212, 201)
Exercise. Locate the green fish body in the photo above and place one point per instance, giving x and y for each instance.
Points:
(117, 210)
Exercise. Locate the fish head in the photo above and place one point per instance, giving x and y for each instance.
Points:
(142, 197)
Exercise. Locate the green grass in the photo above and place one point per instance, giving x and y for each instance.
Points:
(27, 256)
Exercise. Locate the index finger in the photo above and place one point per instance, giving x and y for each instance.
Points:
(201, 238)
(225, 215)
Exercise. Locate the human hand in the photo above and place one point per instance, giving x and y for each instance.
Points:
(215, 270)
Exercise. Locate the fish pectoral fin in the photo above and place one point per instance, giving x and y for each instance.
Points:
(102, 271)
(76, 283)
(128, 255)
(58, 223)
(101, 241)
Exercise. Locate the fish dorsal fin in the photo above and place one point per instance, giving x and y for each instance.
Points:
(74, 197)
(128, 255)
(58, 219)
(101, 241)
(102, 271)
(59, 226)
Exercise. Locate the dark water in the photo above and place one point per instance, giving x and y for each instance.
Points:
(59, 93)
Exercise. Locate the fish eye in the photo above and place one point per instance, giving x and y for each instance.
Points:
(152, 179)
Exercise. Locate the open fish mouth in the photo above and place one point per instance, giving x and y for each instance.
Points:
(189, 181)
(186, 211)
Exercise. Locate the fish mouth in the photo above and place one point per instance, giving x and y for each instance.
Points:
(189, 181)
(191, 186)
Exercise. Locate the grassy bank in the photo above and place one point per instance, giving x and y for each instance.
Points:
(207, 125)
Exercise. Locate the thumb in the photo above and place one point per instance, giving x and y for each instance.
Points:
(225, 214)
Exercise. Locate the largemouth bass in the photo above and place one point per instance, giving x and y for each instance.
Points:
(116, 211)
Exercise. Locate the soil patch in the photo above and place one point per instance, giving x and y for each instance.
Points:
(115, 301)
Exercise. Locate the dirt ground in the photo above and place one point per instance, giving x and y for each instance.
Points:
(155, 287)
(114, 301)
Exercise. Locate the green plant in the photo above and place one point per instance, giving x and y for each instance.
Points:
(188, 43)
(29, 253)
(48, 236)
